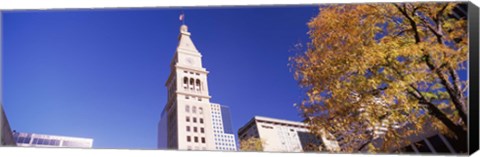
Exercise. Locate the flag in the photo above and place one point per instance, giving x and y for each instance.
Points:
(181, 17)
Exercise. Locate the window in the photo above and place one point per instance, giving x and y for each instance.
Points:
(201, 120)
(187, 108)
(188, 128)
(202, 130)
(194, 109)
(40, 141)
(199, 99)
(185, 82)
(194, 129)
(196, 139)
(422, 147)
(203, 139)
(267, 127)
(21, 140)
(197, 87)
(27, 139)
(52, 142)
(189, 139)
(191, 83)
(186, 97)
(188, 119)
(438, 144)
(200, 110)
(194, 119)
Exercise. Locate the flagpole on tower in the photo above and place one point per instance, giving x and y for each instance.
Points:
(182, 18)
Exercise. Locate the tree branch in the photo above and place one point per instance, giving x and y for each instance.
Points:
(458, 88)
(412, 22)
(366, 143)
(458, 103)
(433, 110)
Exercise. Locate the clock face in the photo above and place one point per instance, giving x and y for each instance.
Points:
(189, 60)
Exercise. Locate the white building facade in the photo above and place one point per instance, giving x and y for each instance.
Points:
(187, 121)
(222, 128)
(282, 135)
(41, 140)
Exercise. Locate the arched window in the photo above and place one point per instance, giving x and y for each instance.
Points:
(194, 109)
(198, 85)
(185, 82)
(187, 108)
(191, 83)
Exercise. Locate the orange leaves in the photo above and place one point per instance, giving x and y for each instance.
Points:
(252, 144)
(363, 64)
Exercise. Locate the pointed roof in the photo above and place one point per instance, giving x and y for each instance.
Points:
(185, 43)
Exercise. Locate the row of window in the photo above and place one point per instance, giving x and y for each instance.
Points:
(188, 97)
(202, 130)
(216, 108)
(186, 72)
(192, 84)
(224, 148)
(41, 141)
(267, 127)
(196, 148)
(23, 139)
(38, 141)
(223, 135)
(194, 119)
(196, 139)
(216, 116)
(435, 145)
(224, 144)
(194, 109)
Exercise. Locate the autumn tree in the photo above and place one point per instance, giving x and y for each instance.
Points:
(251, 144)
(393, 67)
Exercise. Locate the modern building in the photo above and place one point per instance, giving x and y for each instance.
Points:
(433, 144)
(41, 140)
(284, 136)
(222, 128)
(430, 141)
(188, 121)
(6, 136)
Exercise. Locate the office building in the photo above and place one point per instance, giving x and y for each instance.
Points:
(41, 140)
(284, 136)
(223, 133)
(187, 120)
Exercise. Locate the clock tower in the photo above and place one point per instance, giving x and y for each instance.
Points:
(186, 120)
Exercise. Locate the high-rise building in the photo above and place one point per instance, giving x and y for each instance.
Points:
(41, 140)
(187, 120)
(279, 135)
(222, 128)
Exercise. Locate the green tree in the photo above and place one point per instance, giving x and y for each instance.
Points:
(384, 65)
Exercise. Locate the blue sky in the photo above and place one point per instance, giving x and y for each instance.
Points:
(100, 73)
